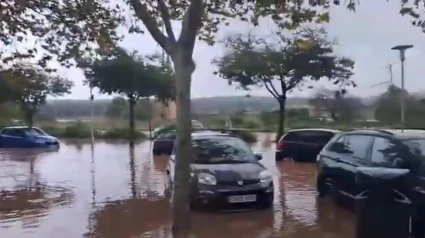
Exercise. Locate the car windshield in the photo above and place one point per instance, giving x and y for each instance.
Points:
(34, 132)
(221, 150)
(416, 146)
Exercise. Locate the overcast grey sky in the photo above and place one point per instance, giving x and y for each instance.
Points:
(365, 36)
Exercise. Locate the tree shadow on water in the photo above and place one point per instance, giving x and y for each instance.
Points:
(31, 199)
(130, 218)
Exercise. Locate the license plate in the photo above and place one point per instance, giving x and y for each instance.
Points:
(242, 199)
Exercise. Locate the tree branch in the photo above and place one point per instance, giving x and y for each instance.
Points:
(152, 26)
(190, 25)
(165, 15)
(283, 86)
(274, 89)
(272, 92)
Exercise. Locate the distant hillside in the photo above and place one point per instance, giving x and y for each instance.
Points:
(67, 108)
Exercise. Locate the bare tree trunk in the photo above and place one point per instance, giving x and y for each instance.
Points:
(150, 118)
(132, 104)
(281, 126)
(181, 210)
(30, 118)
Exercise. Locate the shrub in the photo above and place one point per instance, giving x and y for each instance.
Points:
(76, 130)
(122, 133)
(251, 124)
(54, 131)
(247, 136)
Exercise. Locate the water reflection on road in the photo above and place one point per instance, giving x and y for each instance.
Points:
(112, 191)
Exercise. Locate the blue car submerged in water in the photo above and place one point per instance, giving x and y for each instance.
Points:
(26, 137)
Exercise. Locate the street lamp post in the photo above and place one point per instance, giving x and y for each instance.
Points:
(402, 50)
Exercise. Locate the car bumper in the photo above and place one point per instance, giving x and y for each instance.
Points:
(279, 155)
(217, 197)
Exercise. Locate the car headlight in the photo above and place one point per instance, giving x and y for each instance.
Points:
(265, 176)
(40, 141)
(207, 179)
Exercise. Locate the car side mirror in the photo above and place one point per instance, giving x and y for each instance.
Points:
(258, 156)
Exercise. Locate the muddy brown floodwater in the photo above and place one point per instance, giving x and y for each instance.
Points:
(106, 190)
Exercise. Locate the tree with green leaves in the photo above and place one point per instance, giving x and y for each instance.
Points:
(200, 20)
(336, 104)
(284, 65)
(65, 28)
(61, 31)
(116, 108)
(133, 77)
(388, 109)
(29, 86)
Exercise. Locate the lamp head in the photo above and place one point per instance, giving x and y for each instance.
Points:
(402, 49)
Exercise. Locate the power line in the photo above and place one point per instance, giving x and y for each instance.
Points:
(378, 84)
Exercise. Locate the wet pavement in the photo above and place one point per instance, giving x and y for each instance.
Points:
(107, 190)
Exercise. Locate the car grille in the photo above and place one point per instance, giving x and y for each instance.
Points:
(235, 183)
(51, 143)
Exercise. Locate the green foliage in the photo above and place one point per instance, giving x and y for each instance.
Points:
(284, 65)
(267, 118)
(80, 130)
(119, 108)
(67, 29)
(251, 124)
(116, 108)
(298, 114)
(77, 130)
(247, 136)
(54, 131)
(121, 133)
(388, 109)
(143, 110)
(336, 104)
(131, 76)
(251, 61)
(28, 87)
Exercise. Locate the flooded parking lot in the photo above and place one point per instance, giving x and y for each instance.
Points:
(107, 190)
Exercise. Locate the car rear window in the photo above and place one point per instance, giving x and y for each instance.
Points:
(321, 137)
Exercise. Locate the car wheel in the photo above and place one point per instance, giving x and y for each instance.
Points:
(168, 151)
(156, 151)
(169, 186)
(266, 205)
(323, 189)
